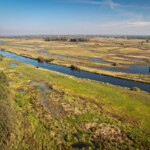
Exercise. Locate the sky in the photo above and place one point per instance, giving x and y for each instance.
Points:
(74, 17)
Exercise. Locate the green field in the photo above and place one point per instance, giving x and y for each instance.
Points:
(42, 109)
(118, 51)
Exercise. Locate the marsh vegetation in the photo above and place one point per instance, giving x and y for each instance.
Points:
(96, 54)
(44, 109)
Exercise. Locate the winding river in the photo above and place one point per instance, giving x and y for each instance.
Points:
(135, 69)
(79, 74)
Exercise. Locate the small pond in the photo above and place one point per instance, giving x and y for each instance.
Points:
(40, 86)
(11, 65)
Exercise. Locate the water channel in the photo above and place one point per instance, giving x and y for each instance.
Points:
(79, 74)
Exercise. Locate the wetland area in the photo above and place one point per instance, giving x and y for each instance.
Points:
(90, 94)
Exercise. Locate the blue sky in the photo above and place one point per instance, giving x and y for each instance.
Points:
(28, 17)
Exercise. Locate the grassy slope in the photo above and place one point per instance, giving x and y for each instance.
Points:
(76, 112)
(122, 101)
(7, 114)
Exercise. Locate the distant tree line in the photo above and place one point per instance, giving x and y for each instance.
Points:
(66, 39)
(78, 40)
(56, 39)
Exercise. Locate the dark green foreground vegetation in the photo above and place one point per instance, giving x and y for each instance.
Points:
(7, 115)
(69, 113)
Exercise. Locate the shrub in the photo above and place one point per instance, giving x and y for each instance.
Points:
(1, 57)
(49, 60)
(135, 89)
(73, 40)
(115, 64)
(73, 67)
(40, 59)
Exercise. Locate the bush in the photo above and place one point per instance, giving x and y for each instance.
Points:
(147, 41)
(49, 60)
(135, 89)
(1, 57)
(115, 64)
(73, 40)
(40, 59)
(73, 67)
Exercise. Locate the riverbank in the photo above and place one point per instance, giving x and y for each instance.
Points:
(66, 62)
(77, 73)
(87, 56)
(73, 113)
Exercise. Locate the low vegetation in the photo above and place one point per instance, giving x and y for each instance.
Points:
(74, 68)
(40, 59)
(1, 57)
(136, 89)
(49, 60)
(7, 114)
(115, 64)
(42, 109)
(71, 114)
(115, 50)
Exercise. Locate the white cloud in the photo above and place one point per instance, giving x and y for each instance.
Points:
(109, 3)
(139, 24)
(127, 27)
(127, 24)
(115, 28)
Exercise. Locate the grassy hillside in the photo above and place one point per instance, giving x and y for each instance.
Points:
(49, 110)
(7, 114)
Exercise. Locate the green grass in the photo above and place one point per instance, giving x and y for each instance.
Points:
(103, 48)
(122, 101)
(73, 113)
(7, 114)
